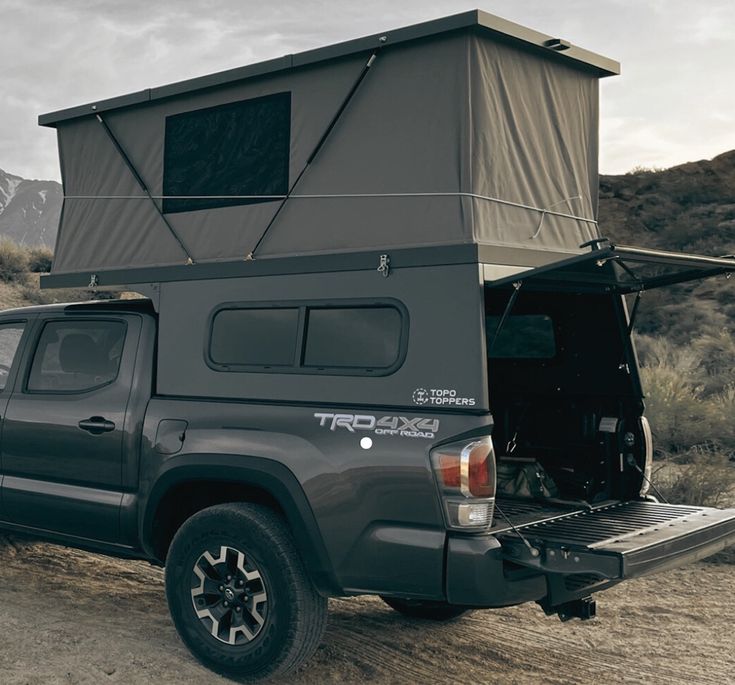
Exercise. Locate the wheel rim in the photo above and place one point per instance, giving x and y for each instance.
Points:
(229, 595)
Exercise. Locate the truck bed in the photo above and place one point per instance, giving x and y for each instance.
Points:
(523, 512)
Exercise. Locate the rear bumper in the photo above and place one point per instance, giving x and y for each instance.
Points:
(477, 575)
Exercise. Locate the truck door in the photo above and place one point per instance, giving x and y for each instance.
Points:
(64, 425)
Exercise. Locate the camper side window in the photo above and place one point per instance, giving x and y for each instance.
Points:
(365, 339)
(255, 337)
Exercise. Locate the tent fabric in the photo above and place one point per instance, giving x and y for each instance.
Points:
(457, 139)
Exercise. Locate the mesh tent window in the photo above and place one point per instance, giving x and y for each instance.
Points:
(232, 154)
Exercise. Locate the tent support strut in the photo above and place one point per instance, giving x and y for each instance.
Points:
(506, 312)
(318, 147)
(139, 180)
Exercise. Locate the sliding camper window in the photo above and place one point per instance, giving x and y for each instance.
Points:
(258, 337)
(309, 338)
(232, 154)
(352, 337)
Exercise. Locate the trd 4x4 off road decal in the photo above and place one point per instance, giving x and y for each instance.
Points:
(416, 427)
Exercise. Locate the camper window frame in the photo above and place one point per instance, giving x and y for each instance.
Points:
(298, 366)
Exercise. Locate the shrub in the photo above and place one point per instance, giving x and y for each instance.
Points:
(13, 262)
(690, 391)
(670, 376)
(40, 259)
(706, 480)
(34, 295)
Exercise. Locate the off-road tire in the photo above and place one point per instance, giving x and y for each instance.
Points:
(425, 609)
(295, 614)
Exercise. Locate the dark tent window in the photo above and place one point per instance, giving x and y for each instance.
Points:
(237, 149)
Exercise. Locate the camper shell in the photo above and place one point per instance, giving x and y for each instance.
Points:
(407, 166)
(368, 265)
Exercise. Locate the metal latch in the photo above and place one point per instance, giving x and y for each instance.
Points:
(384, 265)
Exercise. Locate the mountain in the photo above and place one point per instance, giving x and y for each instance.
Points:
(688, 208)
(29, 210)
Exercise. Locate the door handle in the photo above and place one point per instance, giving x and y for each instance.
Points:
(97, 425)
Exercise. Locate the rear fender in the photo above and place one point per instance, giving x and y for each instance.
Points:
(253, 472)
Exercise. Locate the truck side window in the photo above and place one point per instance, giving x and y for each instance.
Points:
(77, 356)
(354, 337)
(10, 335)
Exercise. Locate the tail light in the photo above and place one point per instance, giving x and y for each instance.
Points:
(465, 474)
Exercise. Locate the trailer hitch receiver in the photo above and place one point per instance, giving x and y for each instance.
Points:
(583, 609)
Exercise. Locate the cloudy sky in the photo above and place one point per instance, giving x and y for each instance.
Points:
(675, 101)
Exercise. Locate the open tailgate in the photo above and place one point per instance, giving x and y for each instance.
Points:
(621, 540)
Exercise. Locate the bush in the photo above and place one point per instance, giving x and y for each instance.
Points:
(34, 295)
(706, 480)
(40, 259)
(670, 375)
(690, 391)
(13, 262)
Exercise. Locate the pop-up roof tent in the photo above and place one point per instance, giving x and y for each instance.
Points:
(468, 130)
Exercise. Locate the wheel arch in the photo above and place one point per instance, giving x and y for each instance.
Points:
(196, 481)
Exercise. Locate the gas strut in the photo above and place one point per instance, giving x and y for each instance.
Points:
(139, 180)
(511, 301)
(320, 144)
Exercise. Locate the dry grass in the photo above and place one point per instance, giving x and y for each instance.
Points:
(699, 478)
(706, 480)
(40, 260)
(14, 263)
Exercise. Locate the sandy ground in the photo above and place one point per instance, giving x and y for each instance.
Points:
(72, 617)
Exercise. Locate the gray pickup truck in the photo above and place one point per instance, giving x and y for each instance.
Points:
(383, 349)
(260, 510)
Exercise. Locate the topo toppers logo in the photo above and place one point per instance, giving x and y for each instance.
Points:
(441, 397)
(420, 396)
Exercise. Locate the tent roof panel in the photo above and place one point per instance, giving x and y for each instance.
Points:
(493, 26)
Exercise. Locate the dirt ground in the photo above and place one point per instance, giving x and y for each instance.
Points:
(71, 617)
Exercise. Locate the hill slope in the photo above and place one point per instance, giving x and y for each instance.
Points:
(29, 210)
(688, 208)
